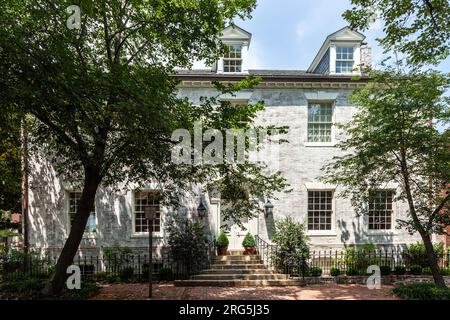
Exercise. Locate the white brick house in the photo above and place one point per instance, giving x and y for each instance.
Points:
(309, 102)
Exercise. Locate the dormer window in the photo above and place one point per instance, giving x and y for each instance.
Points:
(232, 60)
(344, 60)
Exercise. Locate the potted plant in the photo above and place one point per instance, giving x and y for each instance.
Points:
(222, 244)
(249, 244)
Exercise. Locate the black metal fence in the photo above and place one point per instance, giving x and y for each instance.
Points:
(113, 268)
(352, 261)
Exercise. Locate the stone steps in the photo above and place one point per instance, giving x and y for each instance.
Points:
(237, 258)
(236, 283)
(240, 277)
(238, 266)
(237, 271)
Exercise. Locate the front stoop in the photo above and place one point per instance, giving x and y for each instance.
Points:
(237, 270)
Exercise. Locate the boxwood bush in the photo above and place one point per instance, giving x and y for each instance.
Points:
(400, 270)
(385, 270)
(352, 272)
(315, 271)
(334, 272)
(416, 270)
(422, 291)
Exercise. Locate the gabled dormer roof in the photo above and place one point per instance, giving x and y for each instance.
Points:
(235, 33)
(343, 35)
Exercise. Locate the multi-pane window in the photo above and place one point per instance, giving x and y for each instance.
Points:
(74, 200)
(320, 210)
(232, 60)
(142, 200)
(380, 210)
(344, 59)
(320, 121)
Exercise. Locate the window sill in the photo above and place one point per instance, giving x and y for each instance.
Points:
(381, 232)
(90, 235)
(319, 144)
(321, 233)
(145, 235)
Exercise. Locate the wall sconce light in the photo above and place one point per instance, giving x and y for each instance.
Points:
(201, 210)
(268, 208)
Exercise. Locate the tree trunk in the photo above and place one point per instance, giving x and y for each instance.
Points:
(431, 255)
(91, 183)
(433, 261)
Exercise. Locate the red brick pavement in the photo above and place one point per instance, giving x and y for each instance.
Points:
(311, 292)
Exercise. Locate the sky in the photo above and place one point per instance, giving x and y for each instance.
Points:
(287, 34)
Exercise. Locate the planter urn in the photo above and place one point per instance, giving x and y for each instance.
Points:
(222, 251)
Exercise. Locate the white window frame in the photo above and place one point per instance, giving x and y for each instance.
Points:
(332, 143)
(133, 217)
(353, 61)
(393, 217)
(234, 59)
(69, 224)
(332, 231)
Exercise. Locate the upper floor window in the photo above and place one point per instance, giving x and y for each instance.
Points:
(344, 59)
(74, 200)
(320, 121)
(380, 210)
(232, 60)
(141, 200)
(320, 210)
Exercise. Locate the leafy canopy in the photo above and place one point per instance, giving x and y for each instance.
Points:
(418, 28)
(103, 98)
(391, 139)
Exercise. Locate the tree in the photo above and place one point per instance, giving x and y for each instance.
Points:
(418, 28)
(392, 139)
(10, 162)
(103, 96)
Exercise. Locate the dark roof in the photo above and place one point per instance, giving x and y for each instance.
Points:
(266, 75)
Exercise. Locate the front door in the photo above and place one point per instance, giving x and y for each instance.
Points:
(236, 236)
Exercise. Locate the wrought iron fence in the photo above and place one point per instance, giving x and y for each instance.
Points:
(352, 261)
(114, 268)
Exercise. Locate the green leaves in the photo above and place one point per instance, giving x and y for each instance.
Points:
(418, 28)
(391, 139)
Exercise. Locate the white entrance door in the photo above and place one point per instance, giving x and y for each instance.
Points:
(236, 236)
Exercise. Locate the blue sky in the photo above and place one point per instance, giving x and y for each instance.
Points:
(286, 34)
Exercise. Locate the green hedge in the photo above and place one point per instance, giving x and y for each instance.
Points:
(422, 291)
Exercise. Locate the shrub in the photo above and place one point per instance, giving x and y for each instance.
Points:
(385, 270)
(165, 274)
(445, 271)
(116, 257)
(188, 242)
(415, 254)
(293, 249)
(23, 286)
(222, 239)
(416, 270)
(400, 270)
(249, 241)
(352, 272)
(426, 271)
(335, 272)
(422, 291)
(101, 276)
(360, 257)
(315, 271)
(126, 273)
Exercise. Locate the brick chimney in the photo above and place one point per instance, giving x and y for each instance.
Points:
(366, 57)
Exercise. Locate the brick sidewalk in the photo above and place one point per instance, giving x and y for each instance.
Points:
(312, 292)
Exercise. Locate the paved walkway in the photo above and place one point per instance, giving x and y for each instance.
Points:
(311, 292)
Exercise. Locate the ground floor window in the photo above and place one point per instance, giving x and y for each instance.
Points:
(141, 200)
(380, 210)
(320, 210)
(74, 200)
